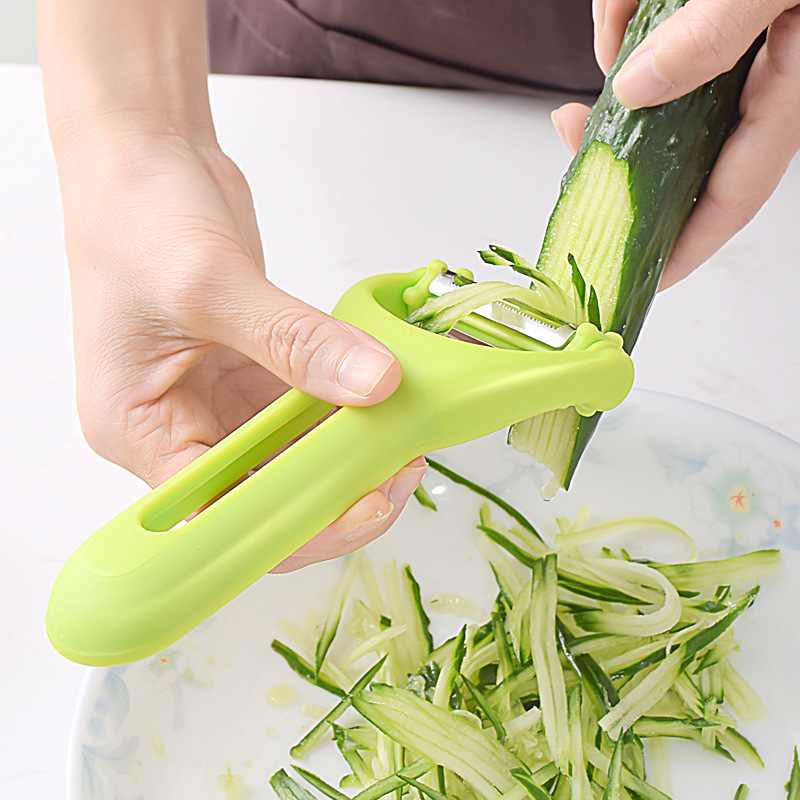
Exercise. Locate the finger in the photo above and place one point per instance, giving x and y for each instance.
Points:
(364, 522)
(306, 348)
(754, 158)
(701, 40)
(569, 122)
(611, 17)
(162, 465)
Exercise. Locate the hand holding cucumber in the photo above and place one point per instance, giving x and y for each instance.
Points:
(700, 41)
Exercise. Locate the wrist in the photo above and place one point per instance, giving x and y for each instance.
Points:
(124, 68)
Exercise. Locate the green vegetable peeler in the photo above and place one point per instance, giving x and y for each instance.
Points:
(148, 577)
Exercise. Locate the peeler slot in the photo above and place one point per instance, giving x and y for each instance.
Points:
(233, 460)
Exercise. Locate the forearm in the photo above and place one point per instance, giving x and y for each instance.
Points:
(124, 66)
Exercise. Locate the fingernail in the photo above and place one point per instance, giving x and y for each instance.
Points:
(367, 526)
(639, 83)
(404, 483)
(557, 124)
(362, 369)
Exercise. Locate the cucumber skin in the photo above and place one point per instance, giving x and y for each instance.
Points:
(670, 150)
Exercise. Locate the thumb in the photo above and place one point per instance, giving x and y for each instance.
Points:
(313, 352)
(699, 41)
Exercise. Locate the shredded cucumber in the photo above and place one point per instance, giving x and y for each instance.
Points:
(579, 661)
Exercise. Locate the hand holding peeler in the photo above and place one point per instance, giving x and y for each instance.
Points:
(148, 577)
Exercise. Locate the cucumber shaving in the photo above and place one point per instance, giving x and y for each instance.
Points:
(580, 660)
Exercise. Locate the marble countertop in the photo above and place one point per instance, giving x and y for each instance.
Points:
(349, 180)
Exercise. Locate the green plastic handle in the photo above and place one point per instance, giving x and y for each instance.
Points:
(147, 577)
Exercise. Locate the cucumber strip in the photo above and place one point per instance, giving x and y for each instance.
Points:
(421, 622)
(580, 788)
(316, 733)
(299, 665)
(641, 699)
(450, 670)
(349, 750)
(627, 664)
(425, 790)
(567, 581)
(643, 624)
(640, 524)
(519, 623)
(288, 789)
(629, 779)
(741, 792)
(479, 490)
(374, 643)
(658, 772)
(523, 678)
(708, 574)
(532, 789)
(403, 662)
(544, 652)
(524, 558)
(699, 641)
(373, 592)
(507, 581)
(741, 698)
(613, 789)
(395, 781)
(793, 786)
(486, 709)
(320, 784)
(331, 625)
(671, 727)
(590, 674)
(441, 314)
(423, 498)
(507, 663)
(442, 737)
(657, 682)
(526, 722)
(740, 747)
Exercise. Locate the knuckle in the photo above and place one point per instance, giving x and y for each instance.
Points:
(738, 213)
(295, 341)
(708, 42)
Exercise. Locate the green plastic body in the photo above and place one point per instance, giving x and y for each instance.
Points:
(147, 578)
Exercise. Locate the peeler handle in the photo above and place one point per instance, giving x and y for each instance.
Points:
(147, 578)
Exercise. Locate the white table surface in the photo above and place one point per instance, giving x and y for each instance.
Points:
(348, 180)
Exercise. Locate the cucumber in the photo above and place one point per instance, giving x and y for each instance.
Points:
(624, 199)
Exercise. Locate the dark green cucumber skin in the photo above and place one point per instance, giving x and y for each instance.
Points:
(669, 149)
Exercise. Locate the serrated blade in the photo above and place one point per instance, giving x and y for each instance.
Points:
(530, 322)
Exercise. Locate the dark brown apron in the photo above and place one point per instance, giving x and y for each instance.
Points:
(534, 47)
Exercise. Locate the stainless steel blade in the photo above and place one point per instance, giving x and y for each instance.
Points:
(528, 321)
